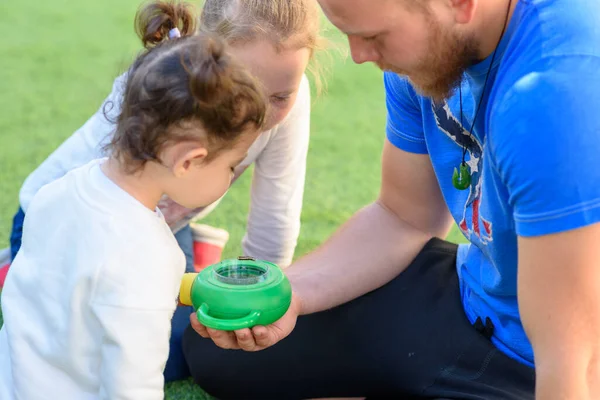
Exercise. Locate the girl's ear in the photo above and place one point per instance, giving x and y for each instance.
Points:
(181, 157)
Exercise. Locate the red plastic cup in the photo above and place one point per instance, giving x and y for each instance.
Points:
(209, 243)
(4, 264)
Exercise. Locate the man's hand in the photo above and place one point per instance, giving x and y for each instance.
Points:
(257, 338)
(559, 303)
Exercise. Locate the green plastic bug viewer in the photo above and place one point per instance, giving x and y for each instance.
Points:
(237, 293)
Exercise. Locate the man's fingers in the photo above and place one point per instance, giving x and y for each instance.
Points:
(198, 327)
(223, 339)
(255, 339)
(261, 336)
(245, 339)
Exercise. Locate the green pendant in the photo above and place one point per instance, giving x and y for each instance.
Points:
(461, 180)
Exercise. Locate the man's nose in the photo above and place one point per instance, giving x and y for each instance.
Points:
(362, 50)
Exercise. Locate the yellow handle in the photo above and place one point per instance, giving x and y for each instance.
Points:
(185, 290)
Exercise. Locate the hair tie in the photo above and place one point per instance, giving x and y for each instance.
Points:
(174, 33)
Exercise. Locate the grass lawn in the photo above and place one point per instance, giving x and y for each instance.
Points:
(58, 62)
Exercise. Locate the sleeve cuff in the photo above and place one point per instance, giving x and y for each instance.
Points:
(565, 219)
(405, 142)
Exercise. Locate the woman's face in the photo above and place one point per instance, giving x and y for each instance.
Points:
(279, 70)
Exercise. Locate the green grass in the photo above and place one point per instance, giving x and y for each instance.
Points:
(59, 59)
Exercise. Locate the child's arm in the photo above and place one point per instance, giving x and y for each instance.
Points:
(134, 351)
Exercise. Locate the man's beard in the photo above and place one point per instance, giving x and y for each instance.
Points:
(442, 68)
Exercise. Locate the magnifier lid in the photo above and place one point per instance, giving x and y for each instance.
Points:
(242, 271)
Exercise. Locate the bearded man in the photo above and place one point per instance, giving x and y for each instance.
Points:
(493, 125)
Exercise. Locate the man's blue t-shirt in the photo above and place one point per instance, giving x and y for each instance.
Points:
(534, 154)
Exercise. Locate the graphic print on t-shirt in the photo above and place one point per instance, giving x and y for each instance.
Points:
(452, 127)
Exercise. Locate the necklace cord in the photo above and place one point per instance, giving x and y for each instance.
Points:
(487, 75)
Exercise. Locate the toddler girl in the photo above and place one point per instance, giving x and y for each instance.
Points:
(88, 301)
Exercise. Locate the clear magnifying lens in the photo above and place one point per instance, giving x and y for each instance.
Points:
(241, 273)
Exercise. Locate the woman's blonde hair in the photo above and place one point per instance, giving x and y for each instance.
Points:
(283, 22)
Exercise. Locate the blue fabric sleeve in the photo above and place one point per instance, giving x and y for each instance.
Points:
(404, 127)
(545, 140)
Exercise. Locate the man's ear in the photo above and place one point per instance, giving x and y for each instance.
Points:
(181, 157)
(463, 10)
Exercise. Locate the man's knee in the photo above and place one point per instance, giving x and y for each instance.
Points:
(232, 374)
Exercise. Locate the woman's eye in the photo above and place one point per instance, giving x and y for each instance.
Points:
(279, 99)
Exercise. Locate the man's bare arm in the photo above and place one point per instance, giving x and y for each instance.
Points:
(559, 303)
(380, 240)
